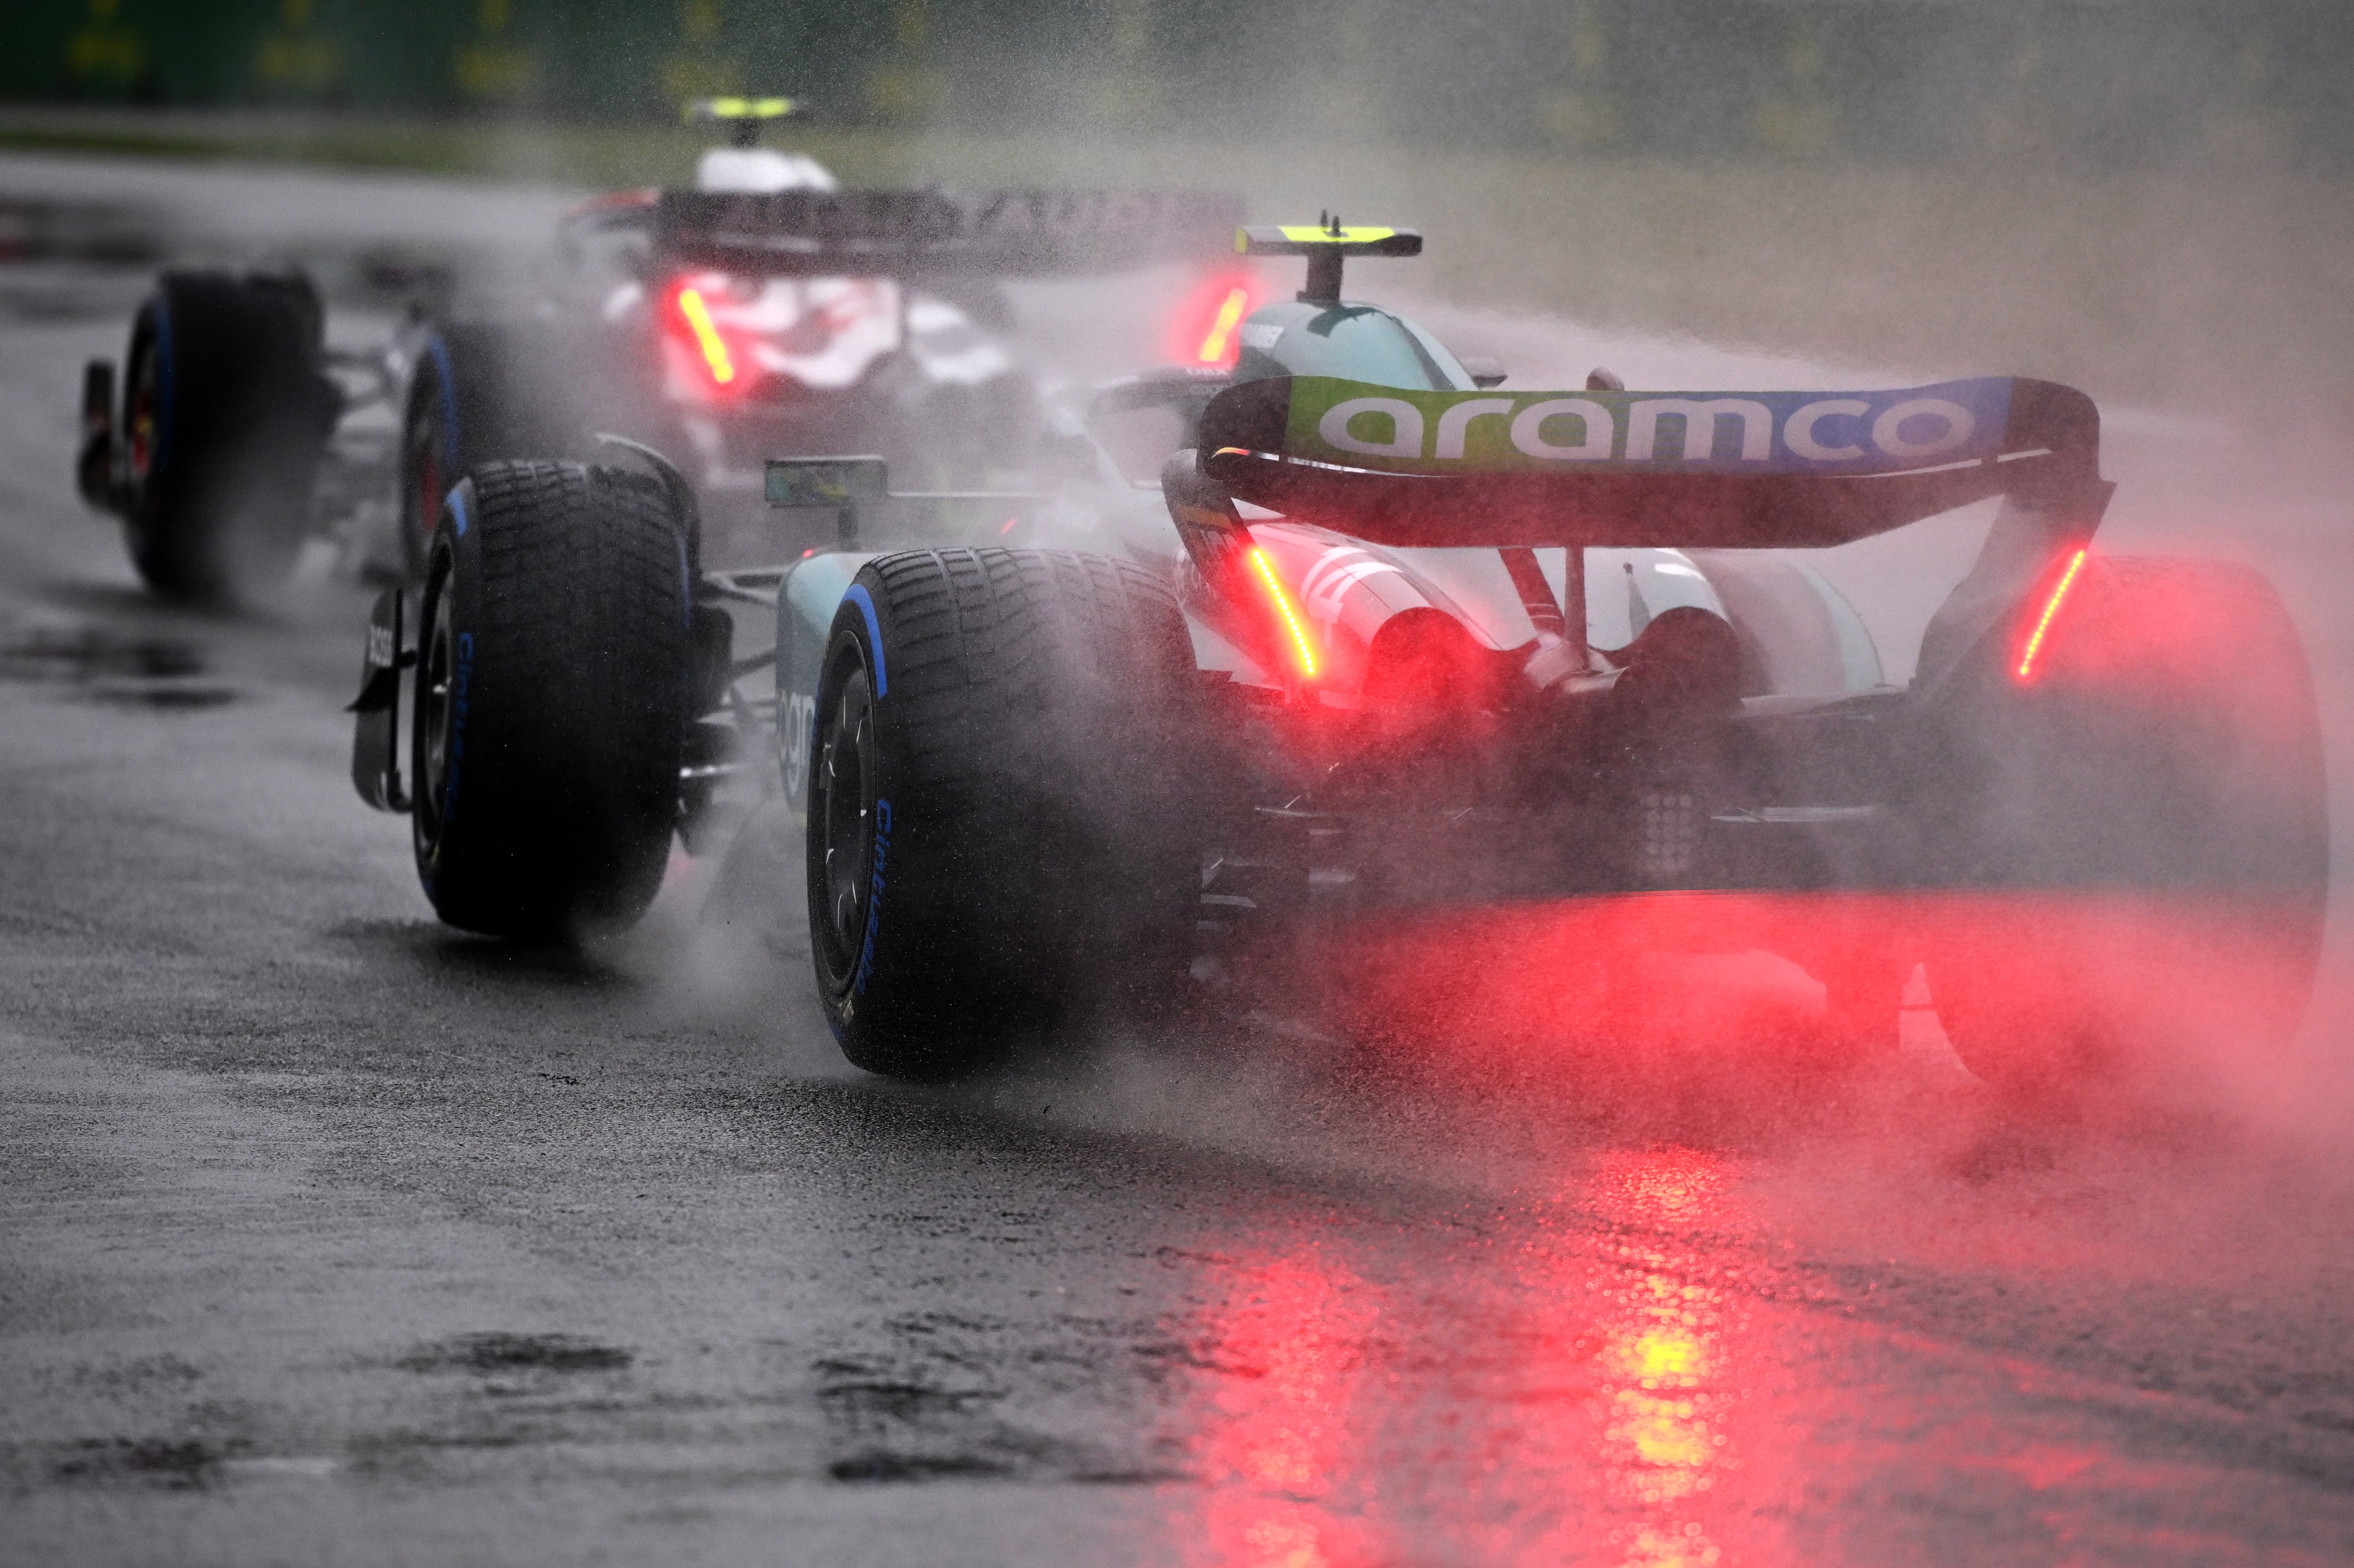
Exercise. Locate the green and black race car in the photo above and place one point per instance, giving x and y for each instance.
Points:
(1350, 630)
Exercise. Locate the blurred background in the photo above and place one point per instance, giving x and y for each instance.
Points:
(2145, 197)
(2114, 82)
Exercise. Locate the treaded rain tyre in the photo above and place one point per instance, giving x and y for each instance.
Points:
(1001, 824)
(552, 700)
(226, 413)
(2152, 810)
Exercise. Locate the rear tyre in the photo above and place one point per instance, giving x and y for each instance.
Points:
(473, 399)
(2152, 807)
(1002, 817)
(552, 700)
(225, 414)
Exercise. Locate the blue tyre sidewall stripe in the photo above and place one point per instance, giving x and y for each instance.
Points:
(858, 595)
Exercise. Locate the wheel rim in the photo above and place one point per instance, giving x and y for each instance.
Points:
(437, 708)
(841, 806)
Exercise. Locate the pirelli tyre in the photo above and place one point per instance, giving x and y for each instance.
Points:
(481, 391)
(225, 412)
(1002, 817)
(552, 699)
(2146, 815)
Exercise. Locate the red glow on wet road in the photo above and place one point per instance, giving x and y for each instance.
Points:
(1552, 1401)
(1667, 1363)
(1284, 1439)
(1672, 981)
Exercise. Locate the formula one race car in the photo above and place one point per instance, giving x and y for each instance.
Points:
(1373, 637)
(763, 311)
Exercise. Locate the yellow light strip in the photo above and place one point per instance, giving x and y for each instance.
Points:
(2051, 607)
(706, 336)
(1287, 609)
(1222, 330)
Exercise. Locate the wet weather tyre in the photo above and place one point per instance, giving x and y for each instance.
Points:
(226, 414)
(1001, 824)
(554, 668)
(2151, 816)
(474, 398)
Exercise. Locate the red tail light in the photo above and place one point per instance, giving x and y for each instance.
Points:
(1231, 310)
(1286, 612)
(696, 315)
(1208, 329)
(2035, 638)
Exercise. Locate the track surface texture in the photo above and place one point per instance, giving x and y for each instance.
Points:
(331, 1235)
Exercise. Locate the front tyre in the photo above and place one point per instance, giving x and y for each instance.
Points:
(1003, 822)
(553, 700)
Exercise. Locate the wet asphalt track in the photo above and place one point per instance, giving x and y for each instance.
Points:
(330, 1236)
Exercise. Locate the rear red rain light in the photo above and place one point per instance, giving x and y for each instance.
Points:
(2034, 643)
(1205, 330)
(697, 316)
(1286, 612)
(1220, 335)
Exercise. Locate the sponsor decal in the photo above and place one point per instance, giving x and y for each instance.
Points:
(1333, 234)
(874, 897)
(1359, 425)
(798, 735)
(466, 679)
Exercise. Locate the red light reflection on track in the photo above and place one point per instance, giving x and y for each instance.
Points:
(1587, 1376)
(1667, 1361)
(1577, 1395)
(1282, 1440)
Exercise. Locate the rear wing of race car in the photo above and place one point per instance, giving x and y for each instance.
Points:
(1651, 469)
(911, 233)
(1701, 469)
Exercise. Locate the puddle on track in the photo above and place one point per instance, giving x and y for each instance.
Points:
(107, 667)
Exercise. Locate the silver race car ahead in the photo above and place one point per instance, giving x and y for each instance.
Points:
(763, 311)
